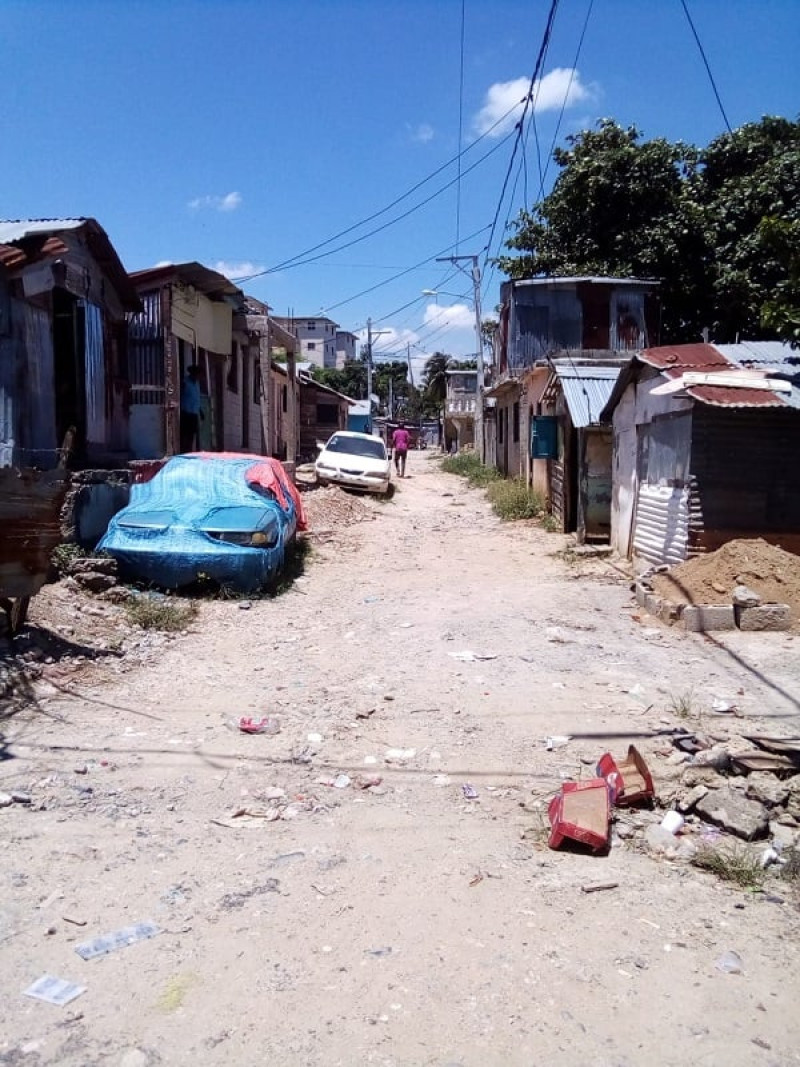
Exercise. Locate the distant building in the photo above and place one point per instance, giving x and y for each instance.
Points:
(346, 343)
(317, 337)
(459, 408)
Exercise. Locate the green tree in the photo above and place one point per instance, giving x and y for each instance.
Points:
(434, 378)
(351, 379)
(622, 206)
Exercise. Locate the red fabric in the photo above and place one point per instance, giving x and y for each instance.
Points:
(269, 474)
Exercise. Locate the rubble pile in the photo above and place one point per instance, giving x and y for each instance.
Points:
(331, 507)
(771, 572)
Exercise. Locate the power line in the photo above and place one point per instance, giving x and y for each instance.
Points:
(520, 125)
(298, 260)
(460, 124)
(705, 61)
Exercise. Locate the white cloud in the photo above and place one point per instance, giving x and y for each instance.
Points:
(562, 87)
(422, 133)
(228, 202)
(233, 269)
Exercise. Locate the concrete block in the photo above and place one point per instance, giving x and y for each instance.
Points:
(764, 617)
(652, 603)
(641, 595)
(700, 618)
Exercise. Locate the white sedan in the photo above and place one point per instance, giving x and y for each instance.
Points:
(354, 461)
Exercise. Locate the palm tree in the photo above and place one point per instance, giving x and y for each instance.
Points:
(434, 377)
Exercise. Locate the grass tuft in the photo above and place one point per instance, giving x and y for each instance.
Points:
(467, 465)
(732, 863)
(159, 613)
(511, 500)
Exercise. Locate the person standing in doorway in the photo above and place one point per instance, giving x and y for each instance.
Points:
(191, 409)
(400, 442)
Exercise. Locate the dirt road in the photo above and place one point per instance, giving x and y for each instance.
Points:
(400, 923)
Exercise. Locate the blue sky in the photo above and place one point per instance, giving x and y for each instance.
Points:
(243, 133)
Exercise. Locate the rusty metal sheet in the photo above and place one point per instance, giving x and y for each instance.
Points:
(30, 510)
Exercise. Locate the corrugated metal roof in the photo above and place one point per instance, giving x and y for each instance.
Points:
(586, 278)
(673, 360)
(587, 390)
(12, 230)
(775, 353)
(202, 278)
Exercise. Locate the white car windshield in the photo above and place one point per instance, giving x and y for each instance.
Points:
(357, 446)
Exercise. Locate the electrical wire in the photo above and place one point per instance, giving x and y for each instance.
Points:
(520, 125)
(707, 66)
(460, 124)
(298, 259)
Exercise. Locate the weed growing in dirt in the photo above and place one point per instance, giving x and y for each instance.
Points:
(65, 554)
(469, 466)
(682, 705)
(732, 863)
(511, 499)
(159, 613)
(550, 523)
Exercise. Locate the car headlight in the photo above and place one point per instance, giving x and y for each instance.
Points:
(325, 467)
(380, 475)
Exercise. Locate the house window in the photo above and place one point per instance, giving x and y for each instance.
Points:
(328, 413)
(311, 325)
(233, 369)
(515, 423)
(312, 346)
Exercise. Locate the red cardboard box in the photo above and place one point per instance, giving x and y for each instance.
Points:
(629, 780)
(580, 812)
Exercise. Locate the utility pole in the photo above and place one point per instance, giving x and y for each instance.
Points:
(476, 288)
(370, 335)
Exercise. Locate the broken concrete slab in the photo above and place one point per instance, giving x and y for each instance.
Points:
(767, 789)
(731, 810)
(700, 618)
(776, 617)
(689, 800)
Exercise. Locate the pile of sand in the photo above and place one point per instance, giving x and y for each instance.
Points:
(329, 508)
(770, 571)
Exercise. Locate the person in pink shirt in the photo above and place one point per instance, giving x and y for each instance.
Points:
(401, 439)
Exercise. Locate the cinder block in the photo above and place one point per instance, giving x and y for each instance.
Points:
(670, 612)
(641, 595)
(652, 603)
(700, 618)
(764, 617)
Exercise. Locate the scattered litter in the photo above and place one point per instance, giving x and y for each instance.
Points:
(406, 625)
(56, 991)
(399, 755)
(580, 812)
(370, 760)
(245, 605)
(341, 781)
(729, 963)
(725, 707)
(629, 780)
(314, 739)
(599, 887)
(762, 761)
(73, 922)
(365, 714)
(557, 635)
(379, 952)
(367, 781)
(467, 656)
(128, 935)
(469, 791)
(268, 725)
(672, 822)
(769, 856)
(476, 879)
(556, 741)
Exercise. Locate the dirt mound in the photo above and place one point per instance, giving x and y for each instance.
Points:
(331, 507)
(773, 573)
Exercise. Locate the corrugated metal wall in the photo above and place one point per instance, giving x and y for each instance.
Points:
(745, 466)
(661, 533)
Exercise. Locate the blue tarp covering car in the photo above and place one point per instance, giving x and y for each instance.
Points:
(227, 517)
